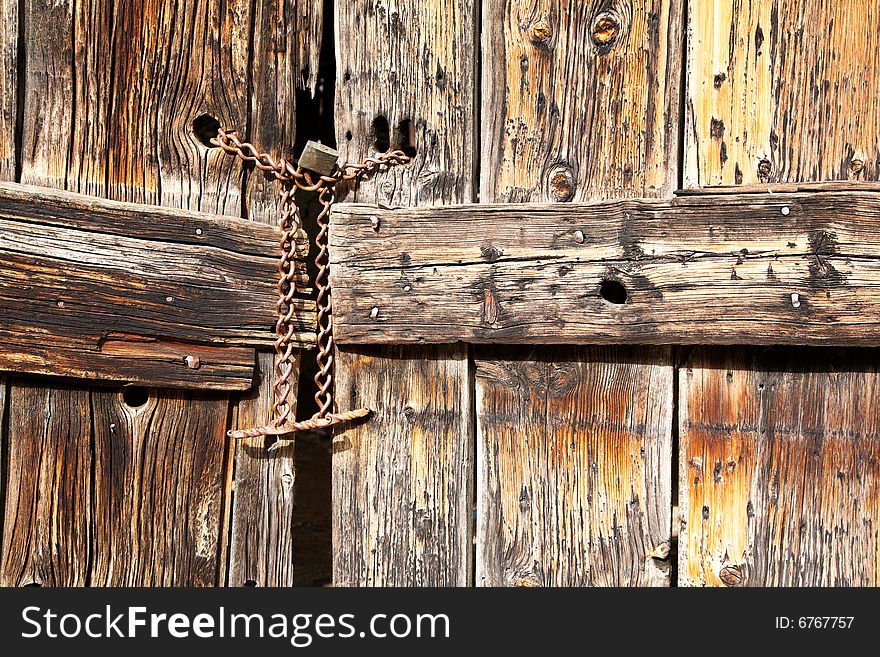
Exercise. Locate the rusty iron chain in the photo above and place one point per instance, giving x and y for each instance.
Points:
(293, 177)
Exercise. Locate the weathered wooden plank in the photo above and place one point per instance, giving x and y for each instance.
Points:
(580, 102)
(402, 483)
(786, 110)
(779, 484)
(111, 92)
(778, 90)
(580, 99)
(407, 517)
(576, 455)
(48, 527)
(8, 86)
(696, 270)
(106, 290)
(261, 535)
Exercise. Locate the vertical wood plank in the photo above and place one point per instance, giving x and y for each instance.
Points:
(580, 101)
(782, 91)
(8, 86)
(779, 453)
(262, 512)
(777, 461)
(574, 483)
(402, 500)
(111, 91)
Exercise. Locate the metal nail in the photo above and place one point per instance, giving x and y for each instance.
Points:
(374, 223)
(785, 210)
(374, 312)
(192, 362)
(795, 300)
(579, 236)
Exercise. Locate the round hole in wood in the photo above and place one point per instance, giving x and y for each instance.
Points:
(613, 291)
(205, 128)
(135, 396)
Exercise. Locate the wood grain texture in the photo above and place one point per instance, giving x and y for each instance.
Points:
(574, 448)
(580, 99)
(119, 291)
(110, 93)
(696, 270)
(8, 86)
(580, 102)
(402, 482)
(780, 90)
(402, 500)
(776, 93)
(262, 508)
(410, 62)
(779, 480)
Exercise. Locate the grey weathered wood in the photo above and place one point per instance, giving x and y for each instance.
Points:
(106, 290)
(778, 467)
(262, 511)
(579, 476)
(580, 102)
(402, 482)
(700, 269)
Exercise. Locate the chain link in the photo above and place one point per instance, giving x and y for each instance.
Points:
(291, 178)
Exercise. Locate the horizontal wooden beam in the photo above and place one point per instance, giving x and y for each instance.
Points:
(762, 268)
(133, 293)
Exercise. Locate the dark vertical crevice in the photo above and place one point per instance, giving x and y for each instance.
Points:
(20, 77)
(476, 110)
(92, 520)
(677, 361)
(682, 93)
(475, 464)
(312, 536)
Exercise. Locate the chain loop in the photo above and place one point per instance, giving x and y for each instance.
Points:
(292, 177)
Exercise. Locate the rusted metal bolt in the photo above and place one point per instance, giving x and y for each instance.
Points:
(374, 223)
(579, 236)
(764, 169)
(562, 185)
(795, 300)
(540, 34)
(732, 575)
(374, 312)
(192, 362)
(606, 29)
(785, 210)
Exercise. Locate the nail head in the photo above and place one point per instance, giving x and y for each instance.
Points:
(785, 210)
(795, 300)
(374, 223)
(374, 312)
(198, 231)
(192, 362)
(579, 236)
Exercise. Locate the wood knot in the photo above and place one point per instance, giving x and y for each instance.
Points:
(605, 31)
(562, 184)
(856, 166)
(540, 34)
(764, 169)
(733, 575)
